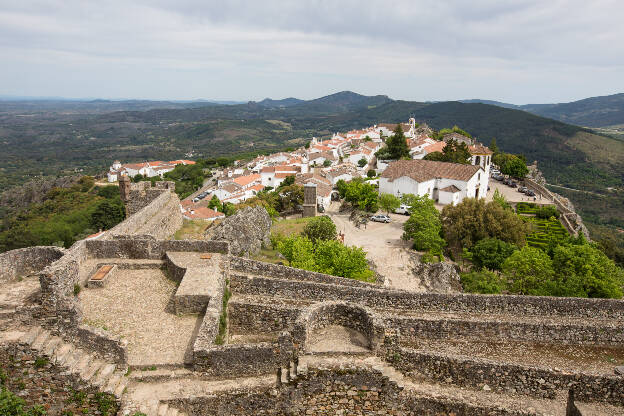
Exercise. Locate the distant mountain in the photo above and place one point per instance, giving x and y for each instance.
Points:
(594, 112)
(286, 102)
(591, 112)
(490, 102)
(348, 100)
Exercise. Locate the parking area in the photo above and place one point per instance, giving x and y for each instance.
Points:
(392, 256)
(512, 194)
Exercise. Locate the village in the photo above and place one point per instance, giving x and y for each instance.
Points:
(344, 156)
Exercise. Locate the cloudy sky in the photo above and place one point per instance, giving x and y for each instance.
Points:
(519, 51)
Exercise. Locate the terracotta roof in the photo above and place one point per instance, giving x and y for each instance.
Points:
(246, 180)
(452, 189)
(480, 149)
(424, 170)
(231, 188)
(284, 174)
(257, 187)
(436, 147)
(203, 213)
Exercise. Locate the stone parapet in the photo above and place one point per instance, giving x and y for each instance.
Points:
(26, 261)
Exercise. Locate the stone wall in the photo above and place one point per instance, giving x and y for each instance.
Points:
(331, 391)
(413, 329)
(26, 261)
(352, 316)
(160, 217)
(246, 317)
(237, 359)
(380, 298)
(146, 247)
(58, 280)
(506, 377)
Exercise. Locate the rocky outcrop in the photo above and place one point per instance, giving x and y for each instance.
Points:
(247, 231)
(438, 277)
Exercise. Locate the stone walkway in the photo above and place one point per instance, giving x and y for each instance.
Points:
(338, 339)
(135, 306)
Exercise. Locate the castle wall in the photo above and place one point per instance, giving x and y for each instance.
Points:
(26, 261)
(507, 377)
(159, 215)
(381, 298)
(146, 247)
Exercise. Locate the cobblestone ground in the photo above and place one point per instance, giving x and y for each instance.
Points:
(134, 306)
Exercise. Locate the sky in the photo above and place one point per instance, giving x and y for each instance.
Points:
(517, 51)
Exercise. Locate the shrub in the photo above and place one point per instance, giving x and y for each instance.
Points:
(491, 253)
(371, 173)
(547, 212)
(484, 281)
(320, 228)
(424, 225)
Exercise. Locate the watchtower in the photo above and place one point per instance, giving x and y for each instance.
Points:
(309, 200)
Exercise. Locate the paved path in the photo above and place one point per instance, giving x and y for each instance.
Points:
(382, 242)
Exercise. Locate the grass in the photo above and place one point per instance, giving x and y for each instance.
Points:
(290, 227)
(268, 255)
(221, 336)
(192, 230)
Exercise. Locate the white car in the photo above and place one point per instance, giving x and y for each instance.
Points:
(403, 209)
(380, 218)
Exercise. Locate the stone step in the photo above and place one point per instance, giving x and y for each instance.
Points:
(104, 375)
(160, 374)
(62, 353)
(30, 336)
(174, 412)
(163, 409)
(92, 370)
(83, 363)
(121, 386)
(40, 340)
(113, 381)
(49, 348)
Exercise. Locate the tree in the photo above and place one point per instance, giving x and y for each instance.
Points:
(493, 147)
(484, 282)
(527, 270)
(215, 204)
(473, 219)
(327, 163)
(371, 173)
(453, 152)
(423, 226)
(389, 202)
(290, 197)
(410, 200)
(361, 194)
(107, 214)
(108, 192)
(397, 144)
(320, 228)
(584, 271)
(515, 167)
(362, 162)
(288, 181)
(500, 200)
(491, 253)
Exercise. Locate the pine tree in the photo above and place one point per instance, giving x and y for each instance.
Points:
(397, 144)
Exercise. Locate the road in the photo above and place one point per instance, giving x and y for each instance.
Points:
(382, 242)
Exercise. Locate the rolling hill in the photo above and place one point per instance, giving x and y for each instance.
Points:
(594, 112)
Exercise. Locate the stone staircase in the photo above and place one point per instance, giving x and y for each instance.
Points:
(105, 376)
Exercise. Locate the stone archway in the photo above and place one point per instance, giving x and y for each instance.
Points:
(338, 327)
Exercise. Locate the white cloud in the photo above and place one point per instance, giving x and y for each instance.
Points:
(520, 51)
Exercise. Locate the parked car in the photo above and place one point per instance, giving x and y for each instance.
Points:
(506, 181)
(380, 218)
(513, 184)
(529, 193)
(403, 209)
(499, 177)
(195, 199)
(522, 189)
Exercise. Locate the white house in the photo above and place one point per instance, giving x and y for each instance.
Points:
(446, 183)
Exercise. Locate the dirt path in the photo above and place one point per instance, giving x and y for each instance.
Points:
(383, 243)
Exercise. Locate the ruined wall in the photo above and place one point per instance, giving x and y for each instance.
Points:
(506, 377)
(245, 317)
(329, 391)
(160, 217)
(146, 247)
(26, 261)
(380, 298)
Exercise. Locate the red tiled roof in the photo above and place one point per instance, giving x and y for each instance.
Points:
(203, 213)
(424, 170)
(452, 189)
(246, 180)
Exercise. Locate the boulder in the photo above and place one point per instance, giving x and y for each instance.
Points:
(438, 277)
(247, 231)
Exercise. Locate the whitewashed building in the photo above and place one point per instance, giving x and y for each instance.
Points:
(446, 183)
